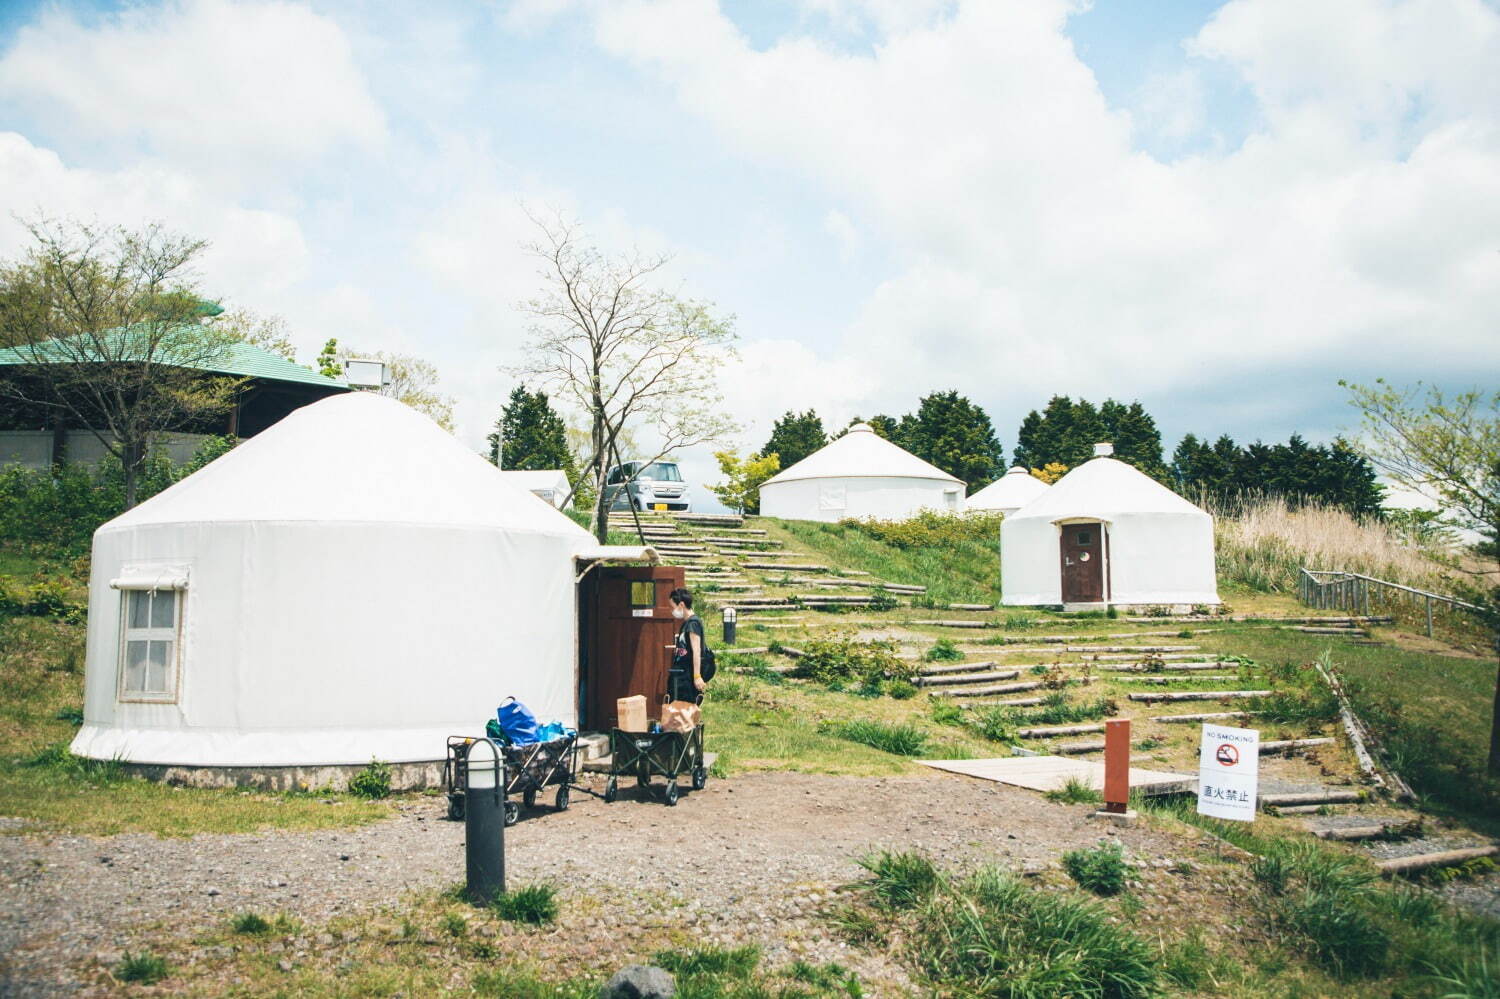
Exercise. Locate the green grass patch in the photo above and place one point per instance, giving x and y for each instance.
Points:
(1075, 791)
(900, 740)
(144, 968)
(1101, 870)
(534, 903)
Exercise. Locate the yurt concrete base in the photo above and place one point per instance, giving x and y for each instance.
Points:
(416, 776)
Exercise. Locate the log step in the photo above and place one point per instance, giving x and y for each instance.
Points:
(1355, 632)
(1446, 858)
(788, 568)
(962, 678)
(1164, 680)
(1382, 830)
(957, 668)
(1002, 688)
(1310, 798)
(1210, 716)
(1291, 745)
(1198, 695)
(1048, 733)
(954, 624)
(969, 607)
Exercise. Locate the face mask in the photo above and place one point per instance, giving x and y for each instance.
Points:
(679, 612)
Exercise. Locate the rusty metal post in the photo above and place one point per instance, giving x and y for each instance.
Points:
(1117, 765)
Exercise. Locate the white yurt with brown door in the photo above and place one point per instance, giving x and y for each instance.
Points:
(861, 474)
(1108, 534)
(351, 584)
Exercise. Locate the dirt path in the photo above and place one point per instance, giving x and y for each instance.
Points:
(746, 859)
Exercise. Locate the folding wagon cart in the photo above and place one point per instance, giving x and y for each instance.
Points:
(528, 769)
(644, 755)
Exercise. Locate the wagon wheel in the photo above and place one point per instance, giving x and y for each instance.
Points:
(512, 813)
(700, 778)
(529, 797)
(562, 798)
(456, 807)
(670, 795)
(611, 791)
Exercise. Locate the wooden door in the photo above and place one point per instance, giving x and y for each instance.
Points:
(1082, 563)
(628, 628)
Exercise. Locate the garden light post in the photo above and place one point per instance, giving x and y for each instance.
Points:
(730, 617)
(484, 821)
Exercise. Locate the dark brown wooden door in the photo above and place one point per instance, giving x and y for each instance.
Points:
(1082, 563)
(628, 628)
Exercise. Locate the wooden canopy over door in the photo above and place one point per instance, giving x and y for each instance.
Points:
(627, 626)
(1082, 563)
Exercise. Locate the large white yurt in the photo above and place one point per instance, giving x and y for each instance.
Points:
(353, 583)
(1008, 493)
(860, 475)
(1108, 534)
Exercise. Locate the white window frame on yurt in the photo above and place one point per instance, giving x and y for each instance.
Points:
(154, 587)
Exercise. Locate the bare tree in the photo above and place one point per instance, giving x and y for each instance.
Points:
(412, 381)
(106, 331)
(629, 355)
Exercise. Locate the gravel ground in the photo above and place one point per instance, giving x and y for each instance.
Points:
(748, 859)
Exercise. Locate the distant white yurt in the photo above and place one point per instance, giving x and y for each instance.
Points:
(860, 475)
(550, 485)
(1106, 533)
(1008, 493)
(353, 583)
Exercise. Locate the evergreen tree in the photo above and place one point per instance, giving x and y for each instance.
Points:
(954, 434)
(530, 435)
(1065, 433)
(1226, 473)
(794, 437)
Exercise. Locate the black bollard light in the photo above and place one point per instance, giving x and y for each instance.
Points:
(484, 821)
(730, 617)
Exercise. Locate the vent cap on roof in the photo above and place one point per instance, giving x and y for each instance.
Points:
(1103, 450)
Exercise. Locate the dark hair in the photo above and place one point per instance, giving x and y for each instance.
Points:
(682, 596)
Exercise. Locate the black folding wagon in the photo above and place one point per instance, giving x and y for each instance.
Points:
(644, 755)
(528, 769)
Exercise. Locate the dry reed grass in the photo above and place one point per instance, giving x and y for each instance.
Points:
(1263, 542)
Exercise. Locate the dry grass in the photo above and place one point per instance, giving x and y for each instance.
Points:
(1262, 544)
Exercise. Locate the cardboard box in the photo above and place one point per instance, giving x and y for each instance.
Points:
(630, 713)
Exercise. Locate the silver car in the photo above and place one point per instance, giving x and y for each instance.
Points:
(647, 485)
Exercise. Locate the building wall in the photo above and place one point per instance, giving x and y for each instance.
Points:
(830, 500)
(1153, 559)
(33, 448)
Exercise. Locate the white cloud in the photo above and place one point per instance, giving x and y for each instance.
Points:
(249, 87)
(1037, 250)
(1171, 104)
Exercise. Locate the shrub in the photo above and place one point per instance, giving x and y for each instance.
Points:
(902, 880)
(947, 713)
(930, 529)
(454, 924)
(146, 968)
(996, 723)
(901, 690)
(737, 962)
(1075, 792)
(901, 740)
(1056, 710)
(533, 903)
(943, 650)
(250, 923)
(1101, 870)
(374, 781)
(827, 660)
(996, 936)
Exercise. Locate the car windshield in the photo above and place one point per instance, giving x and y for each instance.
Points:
(661, 471)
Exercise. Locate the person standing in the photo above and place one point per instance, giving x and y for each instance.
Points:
(687, 679)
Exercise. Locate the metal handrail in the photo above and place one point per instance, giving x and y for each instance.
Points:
(1343, 588)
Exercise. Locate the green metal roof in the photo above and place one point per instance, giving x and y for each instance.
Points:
(242, 359)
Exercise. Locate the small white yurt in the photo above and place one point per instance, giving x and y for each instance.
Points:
(1008, 493)
(351, 584)
(550, 485)
(860, 475)
(1108, 534)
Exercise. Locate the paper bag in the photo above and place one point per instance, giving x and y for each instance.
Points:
(680, 716)
(630, 713)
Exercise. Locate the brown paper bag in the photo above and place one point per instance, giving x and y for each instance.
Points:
(680, 716)
(631, 713)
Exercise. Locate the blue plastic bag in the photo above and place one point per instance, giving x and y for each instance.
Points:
(517, 722)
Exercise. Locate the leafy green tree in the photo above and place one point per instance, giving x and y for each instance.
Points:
(530, 435)
(955, 435)
(740, 490)
(795, 436)
(328, 360)
(1226, 474)
(1065, 433)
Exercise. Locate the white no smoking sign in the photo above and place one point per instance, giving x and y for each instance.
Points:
(1228, 771)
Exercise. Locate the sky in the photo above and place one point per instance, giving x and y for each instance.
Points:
(1217, 209)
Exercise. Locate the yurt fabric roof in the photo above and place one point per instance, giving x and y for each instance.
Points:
(861, 453)
(333, 461)
(527, 478)
(1104, 488)
(1011, 491)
